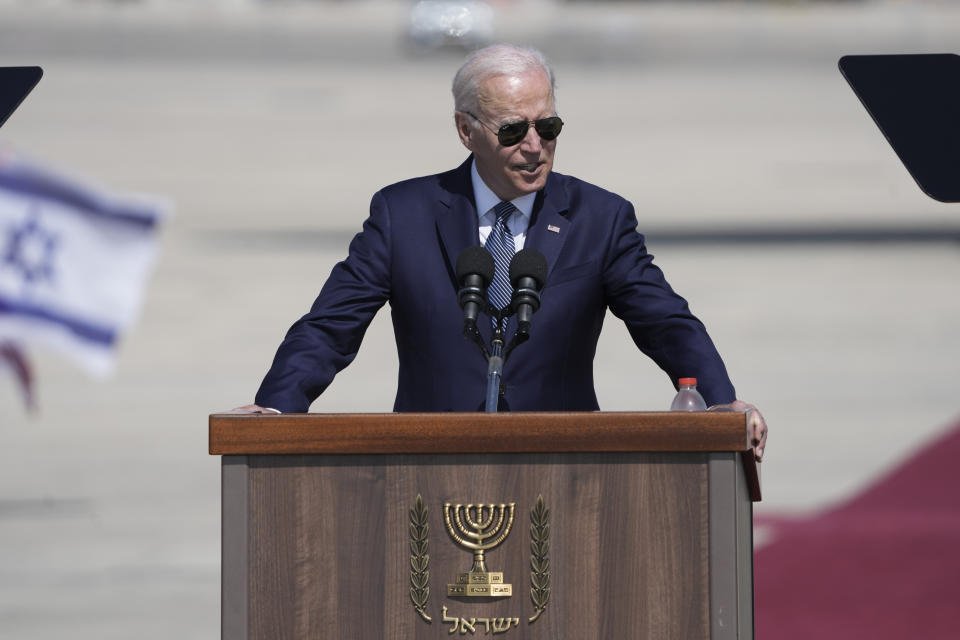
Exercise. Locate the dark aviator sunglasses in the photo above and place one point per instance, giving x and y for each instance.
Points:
(513, 132)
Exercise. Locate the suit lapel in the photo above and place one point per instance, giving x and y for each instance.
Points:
(549, 226)
(457, 216)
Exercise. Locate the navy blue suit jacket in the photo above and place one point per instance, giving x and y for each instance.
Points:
(406, 256)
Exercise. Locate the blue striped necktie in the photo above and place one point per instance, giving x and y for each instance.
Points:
(501, 247)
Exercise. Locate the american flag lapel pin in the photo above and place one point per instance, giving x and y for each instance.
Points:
(553, 228)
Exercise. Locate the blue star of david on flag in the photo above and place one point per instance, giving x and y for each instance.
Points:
(29, 250)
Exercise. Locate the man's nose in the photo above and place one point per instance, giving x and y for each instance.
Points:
(531, 142)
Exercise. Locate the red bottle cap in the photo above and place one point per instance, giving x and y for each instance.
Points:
(692, 382)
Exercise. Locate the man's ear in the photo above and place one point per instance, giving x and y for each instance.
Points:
(464, 128)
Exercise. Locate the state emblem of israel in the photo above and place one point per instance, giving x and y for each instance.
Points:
(479, 528)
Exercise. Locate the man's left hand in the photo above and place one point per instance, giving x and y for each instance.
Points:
(756, 425)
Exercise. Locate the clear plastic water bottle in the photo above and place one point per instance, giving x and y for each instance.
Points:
(688, 398)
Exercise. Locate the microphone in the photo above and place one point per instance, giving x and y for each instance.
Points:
(528, 272)
(474, 273)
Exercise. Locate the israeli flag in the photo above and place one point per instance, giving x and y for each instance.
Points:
(74, 262)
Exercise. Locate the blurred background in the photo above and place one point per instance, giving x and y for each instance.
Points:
(772, 202)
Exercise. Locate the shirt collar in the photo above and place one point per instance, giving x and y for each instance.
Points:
(486, 199)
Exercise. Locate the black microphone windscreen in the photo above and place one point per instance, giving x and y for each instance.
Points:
(475, 260)
(528, 263)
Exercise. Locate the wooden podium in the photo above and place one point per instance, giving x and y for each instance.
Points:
(622, 525)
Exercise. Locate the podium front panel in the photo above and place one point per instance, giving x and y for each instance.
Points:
(326, 546)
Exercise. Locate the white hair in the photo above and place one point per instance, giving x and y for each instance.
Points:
(492, 61)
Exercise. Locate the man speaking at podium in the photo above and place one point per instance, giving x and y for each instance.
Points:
(505, 194)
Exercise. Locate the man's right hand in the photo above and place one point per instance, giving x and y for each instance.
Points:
(252, 408)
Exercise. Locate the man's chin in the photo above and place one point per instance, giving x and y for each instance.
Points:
(526, 182)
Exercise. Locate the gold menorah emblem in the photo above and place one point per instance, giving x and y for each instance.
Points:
(479, 528)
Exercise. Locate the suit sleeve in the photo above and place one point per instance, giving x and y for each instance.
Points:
(659, 320)
(327, 339)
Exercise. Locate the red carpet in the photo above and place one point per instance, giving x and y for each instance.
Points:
(884, 566)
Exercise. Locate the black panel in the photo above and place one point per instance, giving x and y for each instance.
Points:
(15, 84)
(915, 100)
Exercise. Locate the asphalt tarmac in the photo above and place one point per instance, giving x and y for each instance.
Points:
(771, 201)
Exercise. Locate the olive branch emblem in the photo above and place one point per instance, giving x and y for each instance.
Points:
(539, 560)
(419, 558)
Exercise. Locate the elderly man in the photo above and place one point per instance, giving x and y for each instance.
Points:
(505, 195)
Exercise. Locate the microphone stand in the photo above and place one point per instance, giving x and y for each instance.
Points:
(494, 356)
(495, 368)
(498, 353)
